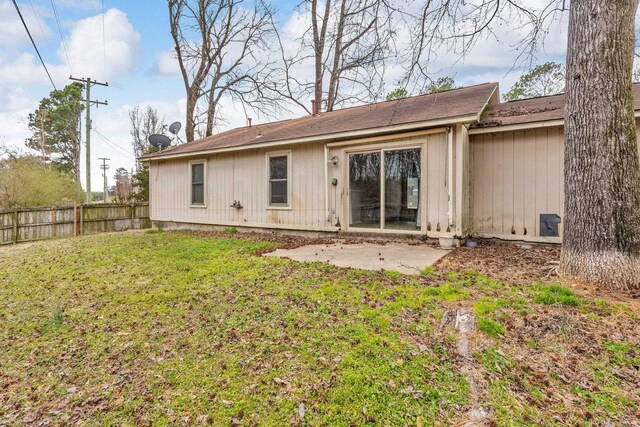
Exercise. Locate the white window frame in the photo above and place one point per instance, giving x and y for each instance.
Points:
(202, 162)
(268, 156)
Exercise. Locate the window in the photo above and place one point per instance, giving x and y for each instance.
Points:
(278, 176)
(197, 184)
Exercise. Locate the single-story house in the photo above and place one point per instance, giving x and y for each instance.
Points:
(450, 164)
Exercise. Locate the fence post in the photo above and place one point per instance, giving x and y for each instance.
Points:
(82, 220)
(54, 221)
(15, 226)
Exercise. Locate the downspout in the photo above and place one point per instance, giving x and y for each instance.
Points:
(450, 174)
(326, 184)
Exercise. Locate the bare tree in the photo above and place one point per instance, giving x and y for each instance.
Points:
(601, 241)
(143, 124)
(349, 43)
(122, 189)
(453, 27)
(221, 48)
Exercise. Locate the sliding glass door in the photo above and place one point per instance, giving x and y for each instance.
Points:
(364, 190)
(402, 189)
(392, 202)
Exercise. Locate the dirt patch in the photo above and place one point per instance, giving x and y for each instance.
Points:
(288, 241)
(509, 262)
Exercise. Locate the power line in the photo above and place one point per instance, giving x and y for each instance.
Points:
(33, 9)
(104, 41)
(34, 44)
(113, 145)
(64, 43)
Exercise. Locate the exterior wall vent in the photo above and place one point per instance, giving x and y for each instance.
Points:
(549, 225)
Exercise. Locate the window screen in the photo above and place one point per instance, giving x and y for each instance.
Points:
(278, 181)
(197, 184)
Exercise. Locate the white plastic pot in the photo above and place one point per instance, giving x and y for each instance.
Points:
(446, 242)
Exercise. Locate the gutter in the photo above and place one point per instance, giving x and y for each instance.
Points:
(516, 126)
(471, 118)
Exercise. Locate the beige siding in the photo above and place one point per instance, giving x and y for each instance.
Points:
(436, 183)
(514, 177)
(241, 176)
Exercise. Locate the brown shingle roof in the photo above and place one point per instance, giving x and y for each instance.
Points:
(542, 109)
(445, 105)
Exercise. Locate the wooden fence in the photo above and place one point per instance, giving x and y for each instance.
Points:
(25, 225)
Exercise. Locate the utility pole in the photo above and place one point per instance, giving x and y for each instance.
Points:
(88, 82)
(104, 166)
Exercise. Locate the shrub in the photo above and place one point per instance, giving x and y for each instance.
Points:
(28, 182)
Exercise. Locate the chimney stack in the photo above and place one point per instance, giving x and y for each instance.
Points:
(313, 107)
(249, 120)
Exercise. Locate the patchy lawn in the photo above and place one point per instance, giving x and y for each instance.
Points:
(182, 329)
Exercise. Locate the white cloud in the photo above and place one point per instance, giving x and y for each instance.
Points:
(25, 70)
(22, 72)
(16, 99)
(87, 56)
(85, 45)
(13, 33)
(167, 64)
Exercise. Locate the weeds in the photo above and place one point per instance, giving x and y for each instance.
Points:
(57, 317)
(491, 327)
(556, 294)
(154, 231)
(428, 271)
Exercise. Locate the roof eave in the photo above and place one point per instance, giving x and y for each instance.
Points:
(516, 126)
(527, 125)
(465, 119)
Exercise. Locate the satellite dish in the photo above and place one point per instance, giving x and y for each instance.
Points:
(159, 141)
(174, 128)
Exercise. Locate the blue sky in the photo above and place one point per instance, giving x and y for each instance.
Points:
(140, 71)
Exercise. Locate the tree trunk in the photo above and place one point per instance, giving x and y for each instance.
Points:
(211, 114)
(601, 243)
(190, 126)
(319, 40)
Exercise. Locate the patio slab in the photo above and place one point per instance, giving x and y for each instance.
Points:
(401, 257)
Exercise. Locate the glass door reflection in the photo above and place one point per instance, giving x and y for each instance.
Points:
(364, 190)
(402, 189)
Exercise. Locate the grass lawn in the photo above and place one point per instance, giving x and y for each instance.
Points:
(180, 329)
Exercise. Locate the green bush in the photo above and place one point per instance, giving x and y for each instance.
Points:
(27, 182)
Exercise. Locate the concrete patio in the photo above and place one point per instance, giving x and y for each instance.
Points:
(401, 257)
